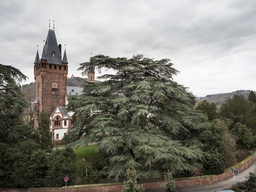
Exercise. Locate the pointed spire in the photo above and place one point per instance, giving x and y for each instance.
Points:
(51, 51)
(43, 53)
(65, 60)
(37, 57)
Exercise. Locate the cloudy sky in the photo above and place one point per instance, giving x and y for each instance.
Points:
(211, 43)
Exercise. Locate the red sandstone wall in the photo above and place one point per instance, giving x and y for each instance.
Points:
(44, 77)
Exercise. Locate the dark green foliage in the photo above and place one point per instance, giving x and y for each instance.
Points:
(238, 109)
(252, 97)
(23, 163)
(249, 184)
(169, 185)
(9, 74)
(13, 131)
(212, 136)
(130, 184)
(245, 139)
(43, 131)
(139, 113)
(213, 162)
(218, 139)
(60, 166)
(27, 165)
(209, 109)
(87, 171)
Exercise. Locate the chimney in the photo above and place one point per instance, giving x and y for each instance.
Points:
(60, 48)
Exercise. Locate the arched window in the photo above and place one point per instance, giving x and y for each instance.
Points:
(57, 121)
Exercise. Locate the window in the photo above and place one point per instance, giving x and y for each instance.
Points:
(91, 78)
(57, 136)
(59, 67)
(57, 121)
(65, 123)
(55, 67)
(50, 66)
(53, 53)
(65, 68)
(54, 94)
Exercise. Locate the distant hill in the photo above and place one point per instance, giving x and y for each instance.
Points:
(220, 98)
(76, 81)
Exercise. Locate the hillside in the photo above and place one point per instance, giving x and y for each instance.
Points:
(220, 98)
(76, 81)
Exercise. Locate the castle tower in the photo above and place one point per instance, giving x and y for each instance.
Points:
(91, 76)
(50, 74)
(91, 73)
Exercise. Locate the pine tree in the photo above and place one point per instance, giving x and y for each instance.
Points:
(252, 97)
(209, 109)
(44, 134)
(139, 113)
(13, 131)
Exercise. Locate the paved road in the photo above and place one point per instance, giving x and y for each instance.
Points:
(216, 186)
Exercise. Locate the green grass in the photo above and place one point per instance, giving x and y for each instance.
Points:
(84, 152)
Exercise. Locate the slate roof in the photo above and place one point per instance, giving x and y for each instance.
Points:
(36, 101)
(72, 90)
(37, 58)
(63, 110)
(65, 60)
(51, 51)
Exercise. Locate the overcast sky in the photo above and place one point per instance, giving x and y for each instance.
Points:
(211, 43)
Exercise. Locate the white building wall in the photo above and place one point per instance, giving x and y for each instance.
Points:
(63, 123)
(59, 132)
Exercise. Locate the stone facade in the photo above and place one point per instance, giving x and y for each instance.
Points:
(50, 74)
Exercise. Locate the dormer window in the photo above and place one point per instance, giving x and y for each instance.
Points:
(57, 121)
(53, 53)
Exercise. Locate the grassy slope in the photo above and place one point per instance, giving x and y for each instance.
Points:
(85, 152)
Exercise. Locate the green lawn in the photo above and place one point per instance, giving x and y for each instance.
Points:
(86, 151)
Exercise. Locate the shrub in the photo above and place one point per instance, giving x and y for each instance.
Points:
(169, 185)
(87, 171)
(130, 185)
(213, 163)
